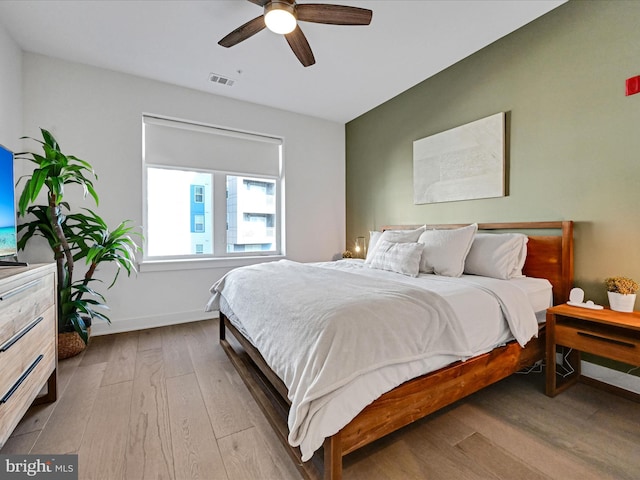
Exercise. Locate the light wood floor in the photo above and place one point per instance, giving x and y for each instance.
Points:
(165, 403)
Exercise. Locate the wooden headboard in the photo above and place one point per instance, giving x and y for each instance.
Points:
(549, 250)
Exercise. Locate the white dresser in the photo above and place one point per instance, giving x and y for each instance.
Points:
(28, 341)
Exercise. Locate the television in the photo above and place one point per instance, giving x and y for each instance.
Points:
(8, 224)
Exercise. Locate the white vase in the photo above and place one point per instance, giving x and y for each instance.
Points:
(620, 302)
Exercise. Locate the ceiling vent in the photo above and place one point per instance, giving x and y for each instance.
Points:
(215, 78)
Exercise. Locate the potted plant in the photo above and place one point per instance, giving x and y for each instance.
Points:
(622, 293)
(73, 237)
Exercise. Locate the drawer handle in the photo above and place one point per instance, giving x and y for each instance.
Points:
(19, 289)
(7, 345)
(610, 340)
(22, 378)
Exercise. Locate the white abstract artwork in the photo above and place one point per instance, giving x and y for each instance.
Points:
(464, 163)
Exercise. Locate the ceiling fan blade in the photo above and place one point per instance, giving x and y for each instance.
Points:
(333, 14)
(243, 32)
(260, 3)
(300, 46)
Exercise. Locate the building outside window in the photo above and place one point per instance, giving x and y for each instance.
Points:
(251, 214)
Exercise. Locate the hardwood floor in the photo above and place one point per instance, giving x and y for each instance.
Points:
(166, 404)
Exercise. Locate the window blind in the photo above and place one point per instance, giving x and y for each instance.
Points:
(182, 144)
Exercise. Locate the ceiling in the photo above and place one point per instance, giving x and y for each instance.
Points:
(357, 68)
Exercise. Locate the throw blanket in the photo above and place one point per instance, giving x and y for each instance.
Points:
(320, 329)
(514, 306)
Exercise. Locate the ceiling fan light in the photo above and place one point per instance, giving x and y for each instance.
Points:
(279, 17)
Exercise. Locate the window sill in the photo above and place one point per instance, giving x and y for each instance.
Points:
(203, 263)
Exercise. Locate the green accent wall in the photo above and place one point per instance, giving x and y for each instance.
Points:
(573, 137)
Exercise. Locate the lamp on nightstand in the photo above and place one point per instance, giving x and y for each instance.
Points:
(360, 247)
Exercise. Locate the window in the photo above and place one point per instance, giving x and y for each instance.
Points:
(198, 193)
(198, 223)
(210, 192)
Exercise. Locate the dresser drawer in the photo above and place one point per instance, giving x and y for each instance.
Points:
(23, 301)
(28, 338)
(27, 360)
(20, 350)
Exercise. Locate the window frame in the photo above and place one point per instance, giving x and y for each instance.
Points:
(220, 256)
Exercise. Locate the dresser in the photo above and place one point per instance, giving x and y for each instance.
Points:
(28, 341)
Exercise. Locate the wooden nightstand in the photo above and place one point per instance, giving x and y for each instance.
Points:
(604, 332)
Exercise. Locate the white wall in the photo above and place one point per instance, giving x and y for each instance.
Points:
(10, 92)
(95, 114)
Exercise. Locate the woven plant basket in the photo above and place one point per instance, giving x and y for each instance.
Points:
(70, 344)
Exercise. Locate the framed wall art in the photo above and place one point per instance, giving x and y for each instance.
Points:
(464, 163)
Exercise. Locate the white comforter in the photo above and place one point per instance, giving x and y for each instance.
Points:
(338, 340)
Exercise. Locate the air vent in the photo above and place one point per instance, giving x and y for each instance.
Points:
(215, 78)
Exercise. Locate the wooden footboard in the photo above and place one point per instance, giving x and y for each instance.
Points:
(421, 396)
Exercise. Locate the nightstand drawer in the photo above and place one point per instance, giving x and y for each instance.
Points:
(606, 342)
(21, 302)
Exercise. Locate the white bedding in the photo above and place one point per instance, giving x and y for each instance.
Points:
(339, 334)
(481, 314)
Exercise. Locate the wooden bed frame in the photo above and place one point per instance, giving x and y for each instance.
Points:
(548, 256)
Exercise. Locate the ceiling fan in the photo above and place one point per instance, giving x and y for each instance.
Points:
(282, 16)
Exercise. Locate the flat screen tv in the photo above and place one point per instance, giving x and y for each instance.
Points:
(8, 229)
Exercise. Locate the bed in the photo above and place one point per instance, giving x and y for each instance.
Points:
(450, 374)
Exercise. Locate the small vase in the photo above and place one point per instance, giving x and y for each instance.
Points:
(620, 302)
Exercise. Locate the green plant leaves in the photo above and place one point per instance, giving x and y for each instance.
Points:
(55, 170)
(72, 236)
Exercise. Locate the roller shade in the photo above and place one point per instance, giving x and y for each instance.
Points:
(182, 144)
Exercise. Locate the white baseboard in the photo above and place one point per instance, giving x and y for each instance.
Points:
(612, 377)
(607, 375)
(141, 323)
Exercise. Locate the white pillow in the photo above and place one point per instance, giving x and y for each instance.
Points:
(522, 258)
(497, 255)
(374, 236)
(444, 251)
(397, 236)
(398, 257)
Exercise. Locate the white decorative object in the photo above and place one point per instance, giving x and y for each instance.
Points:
(576, 299)
(588, 304)
(576, 295)
(620, 302)
(463, 163)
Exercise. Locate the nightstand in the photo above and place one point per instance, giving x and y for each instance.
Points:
(605, 333)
